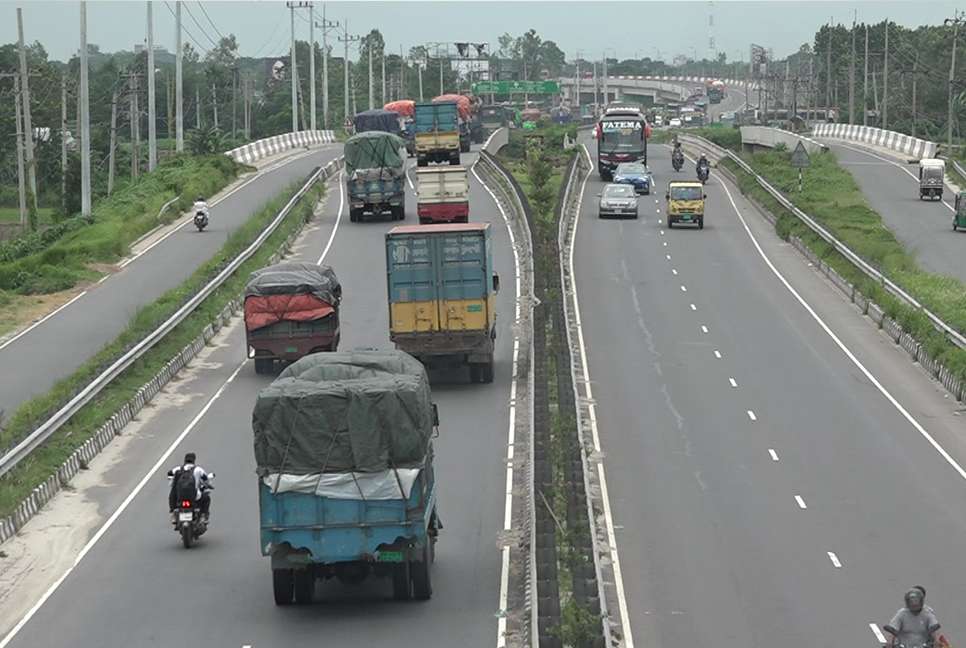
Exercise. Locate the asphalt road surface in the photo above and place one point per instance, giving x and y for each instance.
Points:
(764, 490)
(57, 346)
(138, 586)
(923, 226)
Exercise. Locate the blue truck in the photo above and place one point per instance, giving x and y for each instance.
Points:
(346, 484)
(437, 132)
(375, 175)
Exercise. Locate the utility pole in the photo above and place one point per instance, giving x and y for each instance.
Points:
(956, 22)
(828, 67)
(197, 106)
(152, 107)
(346, 40)
(25, 98)
(855, 19)
(179, 80)
(384, 76)
(312, 82)
(915, 77)
(234, 102)
(326, 24)
(63, 142)
(85, 118)
(577, 81)
(604, 104)
(214, 104)
(169, 105)
(885, 81)
(110, 171)
(293, 71)
(865, 88)
(132, 92)
(21, 184)
(369, 47)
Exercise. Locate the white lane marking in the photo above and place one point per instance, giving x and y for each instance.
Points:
(752, 416)
(868, 374)
(693, 307)
(662, 234)
(665, 242)
(683, 289)
(878, 633)
(338, 219)
(774, 455)
(669, 257)
(732, 381)
(41, 320)
(717, 354)
(674, 271)
(904, 169)
(798, 498)
(127, 502)
(409, 179)
(104, 278)
(511, 436)
(835, 560)
(592, 414)
(704, 329)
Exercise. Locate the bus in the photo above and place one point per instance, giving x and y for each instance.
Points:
(621, 137)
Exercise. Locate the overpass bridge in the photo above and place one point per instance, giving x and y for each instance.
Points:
(651, 89)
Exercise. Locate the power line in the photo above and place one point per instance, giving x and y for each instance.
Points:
(185, 29)
(209, 19)
(188, 9)
(270, 36)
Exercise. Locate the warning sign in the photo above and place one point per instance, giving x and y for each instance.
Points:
(347, 123)
(800, 158)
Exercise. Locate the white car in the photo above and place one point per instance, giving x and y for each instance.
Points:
(675, 123)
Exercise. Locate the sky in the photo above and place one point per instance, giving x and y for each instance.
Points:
(632, 29)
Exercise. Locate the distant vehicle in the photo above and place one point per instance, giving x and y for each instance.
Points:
(635, 174)
(617, 200)
(716, 91)
(685, 203)
(621, 137)
(675, 123)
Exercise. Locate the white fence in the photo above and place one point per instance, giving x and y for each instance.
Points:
(887, 139)
(271, 145)
(767, 136)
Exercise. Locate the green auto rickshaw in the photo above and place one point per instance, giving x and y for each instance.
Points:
(959, 214)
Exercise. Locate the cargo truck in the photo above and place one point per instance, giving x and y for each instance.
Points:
(443, 195)
(386, 121)
(437, 132)
(291, 310)
(346, 483)
(375, 175)
(441, 295)
(465, 110)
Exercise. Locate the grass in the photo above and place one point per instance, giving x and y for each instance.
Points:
(832, 197)
(11, 215)
(59, 257)
(15, 310)
(16, 485)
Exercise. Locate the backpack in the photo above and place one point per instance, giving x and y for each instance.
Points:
(185, 487)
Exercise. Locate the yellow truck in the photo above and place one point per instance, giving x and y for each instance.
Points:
(437, 132)
(685, 203)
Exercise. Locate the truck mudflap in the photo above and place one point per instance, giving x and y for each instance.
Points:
(444, 213)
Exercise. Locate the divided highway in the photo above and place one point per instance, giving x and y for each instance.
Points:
(763, 488)
(55, 347)
(923, 226)
(137, 585)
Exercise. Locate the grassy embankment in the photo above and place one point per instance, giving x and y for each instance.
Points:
(53, 260)
(16, 485)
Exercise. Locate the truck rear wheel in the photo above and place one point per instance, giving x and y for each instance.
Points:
(701, 223)
(474, 372)
(421, 162)
(422, 583)
(282, 585)
(486, 372)
(402, 587)
(263, 365)
(304, 586)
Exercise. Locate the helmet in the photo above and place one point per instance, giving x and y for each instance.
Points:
(201, 199)
(189, 458)
(914, 599)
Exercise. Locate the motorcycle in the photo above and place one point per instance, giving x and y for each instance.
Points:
(677, 161)
(188, 521)
(201, 219)
(703, 172)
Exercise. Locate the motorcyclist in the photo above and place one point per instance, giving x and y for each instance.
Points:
(201, 206)
(915, 624)
(703, 165)
(202, 484)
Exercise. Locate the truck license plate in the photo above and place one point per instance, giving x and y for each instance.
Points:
(185, 517)
(291, 349)
(391, 556)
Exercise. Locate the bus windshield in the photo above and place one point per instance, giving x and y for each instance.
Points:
(622, 140)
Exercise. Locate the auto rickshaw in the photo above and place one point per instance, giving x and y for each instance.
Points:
(932, 174)
(959, 215)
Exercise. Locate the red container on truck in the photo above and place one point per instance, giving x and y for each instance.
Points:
(442, 195)
(291, 311)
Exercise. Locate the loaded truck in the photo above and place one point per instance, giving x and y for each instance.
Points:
(716, 91)
(386, 121)
(291, 310)
(346, 484)
(442, 195)
(441, 295)
(493, 118)
(465, 110)
(375, 175)
(437, 132)
(407, 127)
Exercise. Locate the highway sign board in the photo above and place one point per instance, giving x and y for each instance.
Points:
(509, 87)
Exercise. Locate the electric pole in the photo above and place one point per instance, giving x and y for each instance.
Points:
(419, 72)
(132, 95)
(294, 73)
(197, 106)
(25, 98)
(347, 39)
(312, 123)
(865, 87)
(85, 118)
(828, 68)
(885, 81)
(852, 71)
(234, 102)
(383, 53)
(214, 104)
(152, 108)
(915, 77)
(956, 22)
(179, 80)
(325, 26)
(20, 174)
(63, 142)
(110, 171)
(369, 47)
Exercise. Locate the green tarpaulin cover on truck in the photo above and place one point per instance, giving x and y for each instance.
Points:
(365, 410)
(373, 150)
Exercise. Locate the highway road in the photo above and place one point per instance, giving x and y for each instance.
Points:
(764, 490)
(130, 589)
(923, 226)
(59, 344)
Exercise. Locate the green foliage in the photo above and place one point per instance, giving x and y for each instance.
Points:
(206, 140)
(723, 137)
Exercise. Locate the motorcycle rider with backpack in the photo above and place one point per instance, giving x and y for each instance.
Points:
(188, 484)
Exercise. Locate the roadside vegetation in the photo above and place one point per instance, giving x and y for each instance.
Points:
(16, 485)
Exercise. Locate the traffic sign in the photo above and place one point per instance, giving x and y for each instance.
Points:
(800, 158)
(347, 123)
(516, 87)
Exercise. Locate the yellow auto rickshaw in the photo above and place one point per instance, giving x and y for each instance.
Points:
(932, 173)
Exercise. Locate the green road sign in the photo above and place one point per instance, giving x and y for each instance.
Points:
(508, 87)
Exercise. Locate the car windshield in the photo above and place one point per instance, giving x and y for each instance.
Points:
(618, 191)
(631, 169)
(686, 193)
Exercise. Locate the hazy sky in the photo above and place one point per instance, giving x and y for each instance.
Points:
(262, 27)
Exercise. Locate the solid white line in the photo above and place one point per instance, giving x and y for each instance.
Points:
(774, 455)
(798, 498)
(693, 307)
(338, 219)
(835, 560)
(732, 381)
(41, 320)
(704, 329)
(868, 374)
(511, 435)
(717, 354)
(878, 633)
(127, 502)
(592, 415)
(903, 168)
(751, 415)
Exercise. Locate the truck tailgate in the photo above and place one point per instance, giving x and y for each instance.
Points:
(435, 185)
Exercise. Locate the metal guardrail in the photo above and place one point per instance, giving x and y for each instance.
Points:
(167, 205)
(54, 423)
(954, 336)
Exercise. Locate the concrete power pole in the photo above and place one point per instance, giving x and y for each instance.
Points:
(312, 82)
(865, 86)
(326, 24)
(179, 80)
(604, 103)
(369, 47)
(852, 72)
(152, 103)
(384, 101)
(347, 39)
(956, 22)
(828, 68)
(25, 98)
(885, 81)
(22, 185)
(110, 170)
(63, 142)
(85, 126)
(294, 72)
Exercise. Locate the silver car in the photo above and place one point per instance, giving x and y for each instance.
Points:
(618, 200)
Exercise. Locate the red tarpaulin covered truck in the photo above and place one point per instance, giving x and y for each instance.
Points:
(291, 311)
(442, 195)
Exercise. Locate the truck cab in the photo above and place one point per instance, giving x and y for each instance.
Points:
(685, 203)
